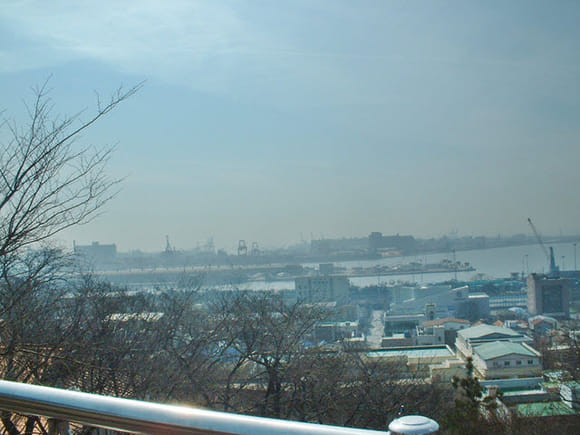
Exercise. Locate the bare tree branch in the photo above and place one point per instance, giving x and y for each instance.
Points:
(47, 183)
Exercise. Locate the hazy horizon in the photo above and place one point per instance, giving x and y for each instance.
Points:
(232, 248)
(275, 121)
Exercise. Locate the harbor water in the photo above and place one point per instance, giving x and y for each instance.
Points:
(491, 263)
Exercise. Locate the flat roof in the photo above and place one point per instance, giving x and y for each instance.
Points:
(412, 351)
(446, 320)
(398, 317)
(478, 295)
(522, 392)
(545, 409)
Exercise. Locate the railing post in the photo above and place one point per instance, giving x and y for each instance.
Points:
(58, 427)
(413, 425)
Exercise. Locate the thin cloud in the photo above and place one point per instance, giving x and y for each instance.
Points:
(208, 46)
(117, 32)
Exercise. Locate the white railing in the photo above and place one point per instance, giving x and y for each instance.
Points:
(63, 406)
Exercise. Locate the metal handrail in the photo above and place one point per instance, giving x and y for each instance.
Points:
(145, 417)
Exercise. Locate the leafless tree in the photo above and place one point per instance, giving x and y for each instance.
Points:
(47, 181)
(265, 335)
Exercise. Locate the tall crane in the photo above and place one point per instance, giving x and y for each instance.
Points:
(549, 255)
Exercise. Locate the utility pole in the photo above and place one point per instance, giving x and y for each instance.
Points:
(563, 262)
(575, 257)
(455, 264)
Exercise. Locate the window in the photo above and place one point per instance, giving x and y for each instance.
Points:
(518, 362)
(506, 363)
(530, 362)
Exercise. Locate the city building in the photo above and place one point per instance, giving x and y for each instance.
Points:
(549, 296)
(445, 371)
(397, 340)
(379, 244)
(543, 325)
(335, 331)
(429, 336)
(473, 306)
(506, 301)
(341, 324)
(506, 359)
(402, 293)
(345, 246)
(447, 328)
(403, 324)
(322, 288)
(521, 390)
(448, 302)
(420, 361)
(470, 338)
(96, 253)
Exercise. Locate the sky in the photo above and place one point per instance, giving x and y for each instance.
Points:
(280, 121)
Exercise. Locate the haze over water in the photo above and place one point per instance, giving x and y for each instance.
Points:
(264, 120)
(495, 263)
(492, 263)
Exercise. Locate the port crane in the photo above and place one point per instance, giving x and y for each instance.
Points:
(549, 255)
(168, 248)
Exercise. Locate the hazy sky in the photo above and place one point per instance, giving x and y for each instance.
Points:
(268, 120)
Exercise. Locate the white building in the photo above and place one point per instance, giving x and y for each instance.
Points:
(469, 338)
(505, 359)
(440, 331)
